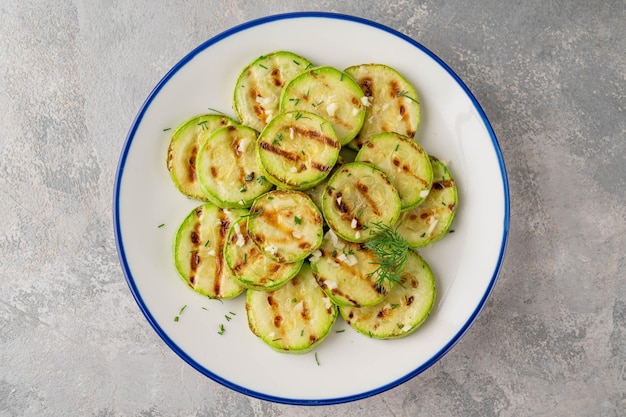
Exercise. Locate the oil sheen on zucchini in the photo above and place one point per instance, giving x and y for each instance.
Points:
(394, 104)
(331, 94)
(294, 318)
(357, 197)
(404, 161)
(403, 310)
(257, 91)
(344, 269)
(228, 169)
(183, 149)
(198, 251)
(250, 266)
(297, 150)
(286, 225)
(431, 220)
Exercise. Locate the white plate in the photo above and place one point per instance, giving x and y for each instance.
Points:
(346, 366)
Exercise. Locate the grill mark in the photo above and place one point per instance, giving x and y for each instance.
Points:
(440, 185)
(364, 191)
(407, 170)
(276, 77)
(305, 311)
(394, 88)
(191, 166)
(346, 212)
(219, 247)
(321, 167)
(195, 260)
(237, 154)
(316, 136)
(367, 86)
(290, 156)
(409, 300)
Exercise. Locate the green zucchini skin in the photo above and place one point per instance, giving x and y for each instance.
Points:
(228, 170)
(404, 161)
(198, 251)
(343, 270)
(294, 318)
(394, 103)
(331, 94)
(285, 225)
(250, 266)
(256, 97)
(431, 220)
(356, 198)
(297, 150)
(183, 149)
(403, 310)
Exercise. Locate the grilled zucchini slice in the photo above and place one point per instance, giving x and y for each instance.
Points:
(250, 266)
(331, 94)
(258, 87)
(198, 251)
(183, 149)
(357, 197)
(394, 104)
(404, 161)
(404, 309)
(294, 318)
(285, 225)
(344, 271)
(228, 169)
(431, 220)
(297, 150)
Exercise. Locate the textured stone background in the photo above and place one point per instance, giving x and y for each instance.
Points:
(550, 75)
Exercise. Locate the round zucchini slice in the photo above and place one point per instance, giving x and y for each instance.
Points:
(404, 161)
(404, 309)
(285, 225)
(228, 169)
(431, 220)
(357, 197)
(198, 251)
(344, 271)
(258, 87)
(330, 93)
(394, 104)
(183, 149)
(297, 150)
(294, 318)
(250, 266)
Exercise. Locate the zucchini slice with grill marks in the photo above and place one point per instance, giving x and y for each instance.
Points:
(258, 87)
(404, 161)
(331, 94)
(431, 220)
(183, 149)
(228, 169)
(297, 150)
(198, 251)
(294, 318)
(286, 225)
(250, 266)
(357, 197)
(343, 270)
(394, 104)
(404, 309)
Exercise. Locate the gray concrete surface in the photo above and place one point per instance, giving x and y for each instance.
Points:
(551, 76)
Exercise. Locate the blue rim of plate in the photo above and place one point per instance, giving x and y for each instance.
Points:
(120, 244)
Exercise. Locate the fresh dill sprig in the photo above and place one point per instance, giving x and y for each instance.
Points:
(405, 94)
(391, 252)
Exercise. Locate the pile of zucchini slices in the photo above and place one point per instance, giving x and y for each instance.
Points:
(313, 201)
